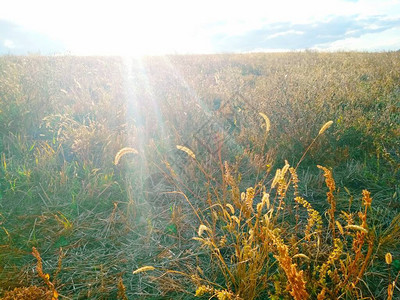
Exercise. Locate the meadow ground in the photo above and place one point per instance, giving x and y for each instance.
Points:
(235, 176)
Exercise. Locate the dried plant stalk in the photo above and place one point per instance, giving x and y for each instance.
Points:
(44, 276)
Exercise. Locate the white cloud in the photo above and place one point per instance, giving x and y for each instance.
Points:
(387, 40)
(351, 32)
(283, 33)
(9, 44)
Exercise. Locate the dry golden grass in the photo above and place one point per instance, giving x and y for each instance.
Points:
(32, 293)
(239, 241)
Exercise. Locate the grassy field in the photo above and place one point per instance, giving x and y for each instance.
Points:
(246, 176)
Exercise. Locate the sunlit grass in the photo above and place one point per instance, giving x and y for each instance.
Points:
(205, 169)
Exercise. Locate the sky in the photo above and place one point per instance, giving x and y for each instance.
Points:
(154, 27)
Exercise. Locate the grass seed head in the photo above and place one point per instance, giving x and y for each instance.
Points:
(267, 122)
(122, 152)
(367, 200)
(143, 269)
(356, 227)
(388, 258)
(187, 150)
(325, 127)
(202, 228)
